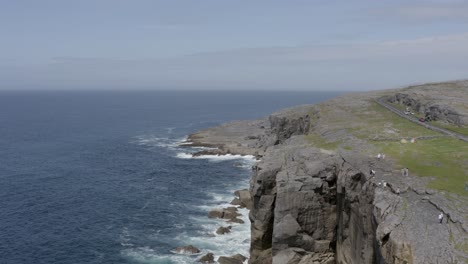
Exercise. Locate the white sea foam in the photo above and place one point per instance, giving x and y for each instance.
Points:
(237, 241)
(183, 155)
(154, 141)
(205, 238)
(215, 158)
(148, 255)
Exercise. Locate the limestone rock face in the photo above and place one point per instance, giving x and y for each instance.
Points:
(312, 203)
(289, 123)
(245, 200)
(316, 207)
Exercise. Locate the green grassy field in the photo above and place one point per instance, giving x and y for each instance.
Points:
(445, 159)
(378, 119)
(461, 130)
(454, 128)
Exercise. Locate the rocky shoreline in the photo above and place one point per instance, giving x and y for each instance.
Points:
(320, 195)
(231, 215)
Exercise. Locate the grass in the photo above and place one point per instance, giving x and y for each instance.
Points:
(320, 142)
(378, 119)
(460, 130)
(462, 246)
(454, 128)
(445, 159)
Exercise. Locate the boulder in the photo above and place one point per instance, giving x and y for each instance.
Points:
(239, 257)
(236, 201)
(245, 198)
(186, 250)
(217, 213)
(289, 256)
(236, 220)
(208, 258)
(223, 230)
(226, 213)
(229, 260)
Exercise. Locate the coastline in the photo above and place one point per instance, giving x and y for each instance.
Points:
(230, 217)
(308, 154)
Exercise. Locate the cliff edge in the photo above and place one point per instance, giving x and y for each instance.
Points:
(347, 181)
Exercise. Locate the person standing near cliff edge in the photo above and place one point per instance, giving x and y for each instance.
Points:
(441, 217)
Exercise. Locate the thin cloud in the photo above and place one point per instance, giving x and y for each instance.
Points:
(433, 13)
(358, 66)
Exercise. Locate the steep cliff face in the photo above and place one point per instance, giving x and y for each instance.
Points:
(312, 204)
(316, 206)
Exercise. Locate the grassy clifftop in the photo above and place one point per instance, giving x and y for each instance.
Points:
(356, 122)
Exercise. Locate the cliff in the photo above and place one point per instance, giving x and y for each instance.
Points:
(315, 199)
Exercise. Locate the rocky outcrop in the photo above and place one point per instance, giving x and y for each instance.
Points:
(223, 230)
(208, 258)
(236, 259)
(186, 250)
(432, 110)
(225, 213)
(288, 123)
(245, 200)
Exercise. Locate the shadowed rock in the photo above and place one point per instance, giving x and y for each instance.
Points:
(223, 230)
(208, 258)
(229, 260)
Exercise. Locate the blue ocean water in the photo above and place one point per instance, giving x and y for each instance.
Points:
(97, 177)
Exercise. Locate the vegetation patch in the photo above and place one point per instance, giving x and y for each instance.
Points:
(381, 123)
(445, 159)
(460, 130)
(320, 142)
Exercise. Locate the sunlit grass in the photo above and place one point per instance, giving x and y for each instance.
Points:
(377, 118)
(445, 159)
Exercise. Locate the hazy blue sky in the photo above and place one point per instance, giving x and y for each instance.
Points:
(221, 44)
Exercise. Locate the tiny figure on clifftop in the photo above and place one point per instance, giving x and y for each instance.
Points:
(379, 156)
(404, 172)
(441, 217)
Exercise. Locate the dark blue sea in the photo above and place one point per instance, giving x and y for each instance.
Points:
(98, 177)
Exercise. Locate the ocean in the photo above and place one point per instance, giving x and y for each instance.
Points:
(98, 176)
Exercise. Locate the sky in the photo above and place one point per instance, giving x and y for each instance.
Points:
(231, 45)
